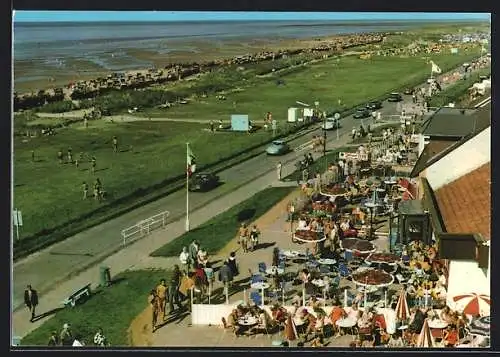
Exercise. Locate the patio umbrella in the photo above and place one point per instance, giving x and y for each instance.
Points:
(402, 310)
(473, 304)
(425, 338)
(290, 329)
(480, 326)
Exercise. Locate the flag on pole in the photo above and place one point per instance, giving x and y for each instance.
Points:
(191, 163)
(435, 68)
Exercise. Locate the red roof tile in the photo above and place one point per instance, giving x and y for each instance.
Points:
(465, 204)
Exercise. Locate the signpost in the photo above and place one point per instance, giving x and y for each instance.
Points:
(18, 221)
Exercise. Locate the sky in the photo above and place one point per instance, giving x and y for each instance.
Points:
(81, 16)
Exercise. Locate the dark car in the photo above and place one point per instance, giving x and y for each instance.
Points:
(203, 181)
(374, 105)
(395, 97)
(361, 113)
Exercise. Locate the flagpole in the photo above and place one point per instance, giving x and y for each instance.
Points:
(187, 191)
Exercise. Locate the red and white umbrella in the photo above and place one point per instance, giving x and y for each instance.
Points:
(402, 310)
(290, 329)
(473, 304)
(425, 338)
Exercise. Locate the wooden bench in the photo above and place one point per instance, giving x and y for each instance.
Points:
(77, 295)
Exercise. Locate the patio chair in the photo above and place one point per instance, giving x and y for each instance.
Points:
(257, 278)
(344, 270)
(256, 298)
(262, 267)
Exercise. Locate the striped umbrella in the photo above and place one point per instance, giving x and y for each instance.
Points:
(290, 329)
(473, 304)
(402, 310)
(480, 326)
(425, 338)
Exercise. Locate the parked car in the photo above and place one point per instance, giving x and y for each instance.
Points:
(395, 97)
(374, 105)
(203, 181)
(330, 124)
(361, 113)
(278, 147)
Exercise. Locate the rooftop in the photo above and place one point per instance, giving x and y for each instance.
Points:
(465, 204)
(453, 124)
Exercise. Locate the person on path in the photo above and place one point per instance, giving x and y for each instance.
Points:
(85, 188)
(60, 156)
(153, 302)
(233, 265)
(173, 289)
(66, 337)
(32, 155)
(185, 260)
(161, 294)
(278, 170)
(97, 189)
(115, 144)
(70, 156)
(31, 301)
(353, 133)
(243, 232)
(93, 164)
(212, 126)
(193, 251)
(254, 237)
(226, 276)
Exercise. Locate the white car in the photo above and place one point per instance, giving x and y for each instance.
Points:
(330, 124)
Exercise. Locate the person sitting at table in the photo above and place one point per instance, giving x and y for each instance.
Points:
(405, 257)
(358, 299)
(354, 313)
(446, 315)
(202, 257)
(232, 322)
(302, 226)
(305, 276)
(344, 225)
(263, 323)
(417, 322)
(337, 314)
(396, 340)
(313, 302)
(450, 337)
(278, 313)
(310, 323)
(296, 301)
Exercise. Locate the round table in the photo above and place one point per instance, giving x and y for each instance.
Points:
(327, 261)
(437, 324)
(347, 323)
(248, 321)
(290, 254)
(275, 270)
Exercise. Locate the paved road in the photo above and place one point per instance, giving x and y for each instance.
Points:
(51, 266)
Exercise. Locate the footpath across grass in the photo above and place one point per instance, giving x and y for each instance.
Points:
(220, 230)
(112, 308)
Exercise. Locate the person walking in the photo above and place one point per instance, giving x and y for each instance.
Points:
(162, 294)
(31, 301)
(278, 170)
(173, 289)
(353, 133)
(66, 337)
(115, 144)
(254, 237)
(226, 276)
(70, 156)
(185, 260)
(85, 188)
(53, 339)
(193, 251)
(233, 265)
(60, 156)
(153, 302)
(32, 155)
(93, 164)
(243, 232)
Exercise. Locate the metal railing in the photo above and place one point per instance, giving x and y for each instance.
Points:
(144, 227)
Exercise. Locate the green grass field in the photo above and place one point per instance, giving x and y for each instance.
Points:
(50, 195)
(113, 308)
(220, 230)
